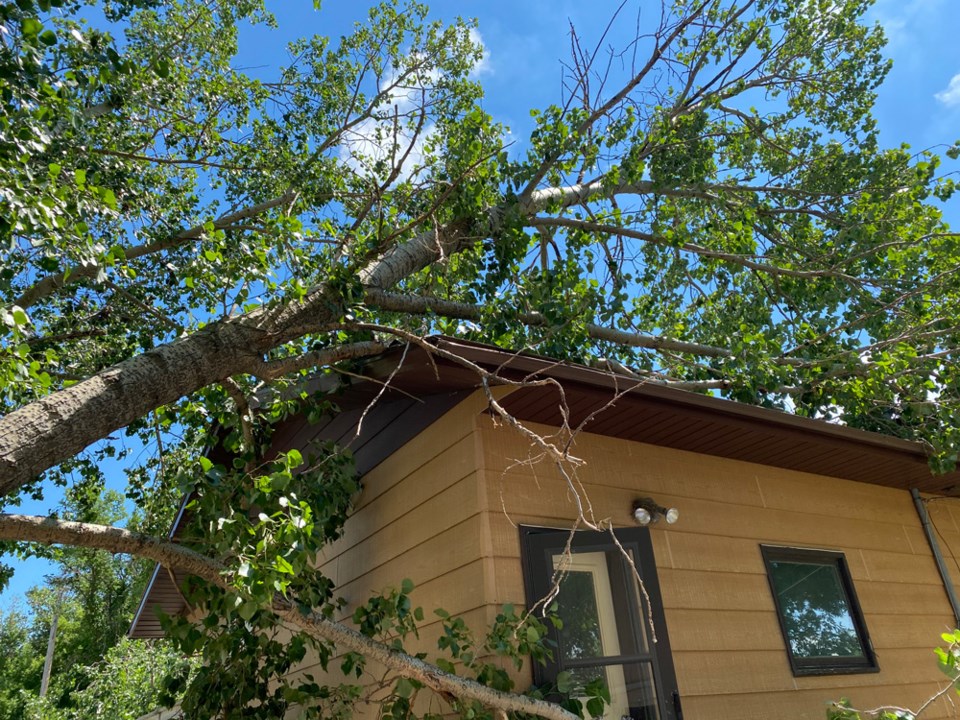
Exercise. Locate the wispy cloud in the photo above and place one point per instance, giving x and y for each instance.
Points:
(950, 96)
(376, 145)
(483, 66)
(901, 20)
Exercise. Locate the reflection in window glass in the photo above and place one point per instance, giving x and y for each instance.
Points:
(633, 693)
(598, 627)
(815, 610)
(577, 605)
(818, 611)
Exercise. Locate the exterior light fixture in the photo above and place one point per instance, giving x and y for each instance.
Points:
(647, 511)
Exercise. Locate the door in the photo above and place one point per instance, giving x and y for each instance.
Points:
(613, 628)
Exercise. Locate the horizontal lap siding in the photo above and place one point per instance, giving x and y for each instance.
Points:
(945, 518)
(729, 654)
(418, 516)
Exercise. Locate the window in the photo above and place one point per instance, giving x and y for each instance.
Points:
(606, 632)
(819, 615)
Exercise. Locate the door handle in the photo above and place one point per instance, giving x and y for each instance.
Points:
(677, 709)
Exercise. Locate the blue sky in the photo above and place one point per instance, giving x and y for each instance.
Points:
(527, 40)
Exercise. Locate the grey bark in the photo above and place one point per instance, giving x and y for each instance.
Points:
(37, 436)
(49, 531)
(421, 305)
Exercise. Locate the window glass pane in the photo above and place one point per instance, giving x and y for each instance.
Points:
(581, 635)
(598, 620)
(633, 693)
(815, 610)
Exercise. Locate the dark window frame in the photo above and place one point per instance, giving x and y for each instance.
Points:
(839, 665)
(534, 546)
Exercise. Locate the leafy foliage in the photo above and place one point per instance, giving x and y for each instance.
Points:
(183, 243)
(129, 681)
(92, 597)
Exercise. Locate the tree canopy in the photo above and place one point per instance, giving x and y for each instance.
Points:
(707, 207)
(89, 601)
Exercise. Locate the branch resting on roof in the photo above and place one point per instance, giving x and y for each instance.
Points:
(423, 305)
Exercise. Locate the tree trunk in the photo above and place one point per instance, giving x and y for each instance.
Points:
(45, 432)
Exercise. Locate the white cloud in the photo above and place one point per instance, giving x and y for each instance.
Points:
(903, 21)
(483, 65)
(951, 95)
(379, 141)
(375, 145)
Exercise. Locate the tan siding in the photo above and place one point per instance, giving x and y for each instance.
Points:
(443, 510)
(419, 516)
(729, 654)
(921, 632)
(706, 630)
(804, 704)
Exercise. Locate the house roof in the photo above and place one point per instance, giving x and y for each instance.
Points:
(421, 387)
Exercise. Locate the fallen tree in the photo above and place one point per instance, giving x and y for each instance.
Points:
(711, 210)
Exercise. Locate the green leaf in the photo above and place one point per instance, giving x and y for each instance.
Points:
(247, 610)
(31, 27)
(595, 707)
(404, 688)
(19, 316)
(109, 199)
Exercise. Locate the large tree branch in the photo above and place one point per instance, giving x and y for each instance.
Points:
(51, 531)
(414, 668)
(39, 435)
(601, 189)
(734, 258)
(422, 305)
(403, 260)
(45, 432)
(284, 366)
(51, 283)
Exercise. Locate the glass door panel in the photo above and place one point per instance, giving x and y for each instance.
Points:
(606, 631)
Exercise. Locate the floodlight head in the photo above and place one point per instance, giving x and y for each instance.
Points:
(642, 516)
(647, 511)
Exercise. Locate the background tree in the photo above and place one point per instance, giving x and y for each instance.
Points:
(708, 207)
(92, 597)
(21, 664)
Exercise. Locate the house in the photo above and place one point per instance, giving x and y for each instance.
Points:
(809, 562)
